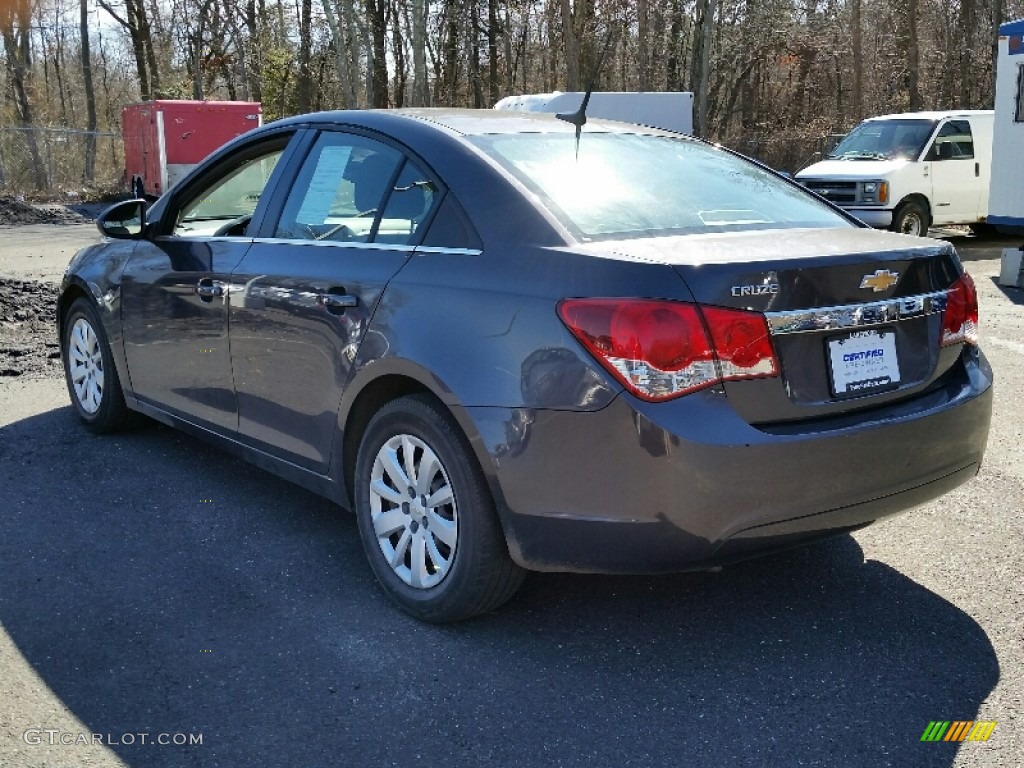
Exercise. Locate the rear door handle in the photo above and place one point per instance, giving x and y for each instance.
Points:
(977, 170)
(207, 289)
(338, 301)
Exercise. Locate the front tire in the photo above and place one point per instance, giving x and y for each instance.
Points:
(426, 517)
(911, 218)
(89, 371)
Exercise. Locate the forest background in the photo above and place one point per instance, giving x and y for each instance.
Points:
(771, 78)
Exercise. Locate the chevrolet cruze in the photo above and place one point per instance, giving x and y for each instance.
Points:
(509, 347)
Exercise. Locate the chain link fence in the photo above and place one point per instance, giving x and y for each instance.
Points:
(52, 162)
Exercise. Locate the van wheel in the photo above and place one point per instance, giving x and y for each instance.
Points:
(911, 218)
(426, 516)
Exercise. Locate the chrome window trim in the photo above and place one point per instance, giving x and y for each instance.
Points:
(449, 251)
(325, 244)
(855, 315)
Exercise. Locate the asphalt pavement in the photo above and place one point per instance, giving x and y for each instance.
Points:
(155, 589)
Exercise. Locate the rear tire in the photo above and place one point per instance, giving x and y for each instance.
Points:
(89, 370)
(981, 229)
(426, 516)
(911, 218)
(138, 188)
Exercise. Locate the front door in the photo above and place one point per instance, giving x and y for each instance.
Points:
(955, 174)
(175, 297)
(303, 296)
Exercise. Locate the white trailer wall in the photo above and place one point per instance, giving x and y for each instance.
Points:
(669, 110)
(1006, 190)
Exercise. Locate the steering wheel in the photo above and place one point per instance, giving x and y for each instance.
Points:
(234, 228)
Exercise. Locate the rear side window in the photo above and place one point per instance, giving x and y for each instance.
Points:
(954, 141)
(354, 189)
(633, 185)
(1018, 115)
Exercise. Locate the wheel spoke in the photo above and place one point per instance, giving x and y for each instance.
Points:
(389, 457)
(418, 569)
(440, 562)
(388, 493)
(429, 465)
(400, 549)
(445, 530)
(409, 460)
(388, 522)
(440, 497)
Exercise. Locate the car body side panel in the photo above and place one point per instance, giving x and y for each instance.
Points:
(487, 324)
(642, 487)
(97, 270)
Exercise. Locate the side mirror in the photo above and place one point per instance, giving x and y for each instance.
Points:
(124, 221)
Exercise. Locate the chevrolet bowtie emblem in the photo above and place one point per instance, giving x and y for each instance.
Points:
(882, 280)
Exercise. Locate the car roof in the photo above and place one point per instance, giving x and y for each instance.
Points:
(935, 114)
(471, 122)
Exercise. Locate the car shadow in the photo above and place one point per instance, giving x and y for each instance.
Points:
(1016, 295)
(158, 585)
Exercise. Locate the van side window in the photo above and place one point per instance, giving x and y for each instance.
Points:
(953, 142)
(1018, 114)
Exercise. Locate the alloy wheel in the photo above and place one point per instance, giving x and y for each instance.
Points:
(413, 511)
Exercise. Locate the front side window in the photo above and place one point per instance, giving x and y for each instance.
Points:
(632, 185)
(954, 141)
(225, 206)
(355, 189)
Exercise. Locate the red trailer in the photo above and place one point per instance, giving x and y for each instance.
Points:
(164, 140)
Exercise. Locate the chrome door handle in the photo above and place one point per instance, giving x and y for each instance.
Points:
(208, 289)
(338, 300)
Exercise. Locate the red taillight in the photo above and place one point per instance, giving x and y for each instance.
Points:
(661, 349)
(960, 320)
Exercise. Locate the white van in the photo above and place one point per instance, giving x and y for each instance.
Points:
(910, 171)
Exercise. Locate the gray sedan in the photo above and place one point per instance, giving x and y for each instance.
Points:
(509, 347)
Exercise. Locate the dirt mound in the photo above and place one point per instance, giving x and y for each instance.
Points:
(14, 211)
(28, 336)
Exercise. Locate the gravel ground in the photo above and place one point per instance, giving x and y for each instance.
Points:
(28, 339)
(152, 584)
(18, 212)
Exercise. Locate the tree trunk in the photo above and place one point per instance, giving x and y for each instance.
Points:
(379, 68)
(89, 173)
(572, 48)
(643, 52)
(492, 51)
(420, 91)
(15, 29)
(857, 96)
(913, 59)
(966, 36)
(305, 84)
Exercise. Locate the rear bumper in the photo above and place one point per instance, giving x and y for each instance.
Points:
(873, 217)
(656, 487)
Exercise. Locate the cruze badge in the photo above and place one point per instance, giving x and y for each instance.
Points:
(765, 289)
(882, 280)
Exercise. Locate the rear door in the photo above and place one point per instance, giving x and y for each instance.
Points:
(955, 174)
(303, 295)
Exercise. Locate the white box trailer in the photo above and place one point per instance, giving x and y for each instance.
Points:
(668, 110)
(1006, 190)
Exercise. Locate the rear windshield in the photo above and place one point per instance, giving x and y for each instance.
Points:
(633, 185)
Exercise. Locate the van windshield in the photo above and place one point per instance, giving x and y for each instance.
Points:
(884, 140)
